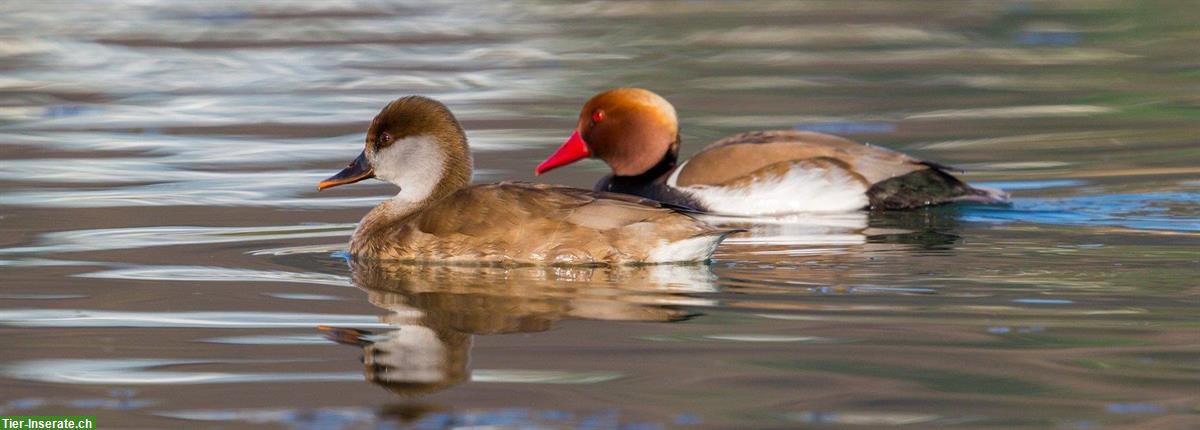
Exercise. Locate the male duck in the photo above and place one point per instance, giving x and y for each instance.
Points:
(417, 144)
(636, 132)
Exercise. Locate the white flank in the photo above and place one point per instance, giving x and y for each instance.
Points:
(801, 189)
(697, 248)
(415, 164)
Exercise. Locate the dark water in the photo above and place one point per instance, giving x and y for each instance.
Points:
(166, 262)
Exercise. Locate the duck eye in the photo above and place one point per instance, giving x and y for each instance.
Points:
(598, 115)
(385, 138)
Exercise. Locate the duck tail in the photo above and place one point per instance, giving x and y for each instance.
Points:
(694, 249)
(717, 236)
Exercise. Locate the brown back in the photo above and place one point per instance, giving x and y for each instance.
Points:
(519, 223)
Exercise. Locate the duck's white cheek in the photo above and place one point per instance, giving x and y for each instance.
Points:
(415, 164)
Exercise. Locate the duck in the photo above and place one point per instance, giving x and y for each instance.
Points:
(777, 172)
(417, 144)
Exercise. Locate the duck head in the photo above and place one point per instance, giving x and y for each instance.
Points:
(631, 129)
(416, 144)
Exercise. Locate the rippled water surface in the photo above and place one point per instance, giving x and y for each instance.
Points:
(167, 263)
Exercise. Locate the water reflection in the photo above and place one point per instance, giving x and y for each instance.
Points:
(1161, 211)
(435, 310)
(796, 229)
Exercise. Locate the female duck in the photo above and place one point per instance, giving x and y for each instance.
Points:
(417, 144)
(636, 132)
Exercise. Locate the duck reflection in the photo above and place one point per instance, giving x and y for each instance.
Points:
(930, 228)
(436, 310)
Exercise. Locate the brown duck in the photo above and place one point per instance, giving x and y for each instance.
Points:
(418, 145)
(636, 132)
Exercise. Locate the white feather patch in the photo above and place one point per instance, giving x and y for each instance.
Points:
(416, 164)
(801, 189)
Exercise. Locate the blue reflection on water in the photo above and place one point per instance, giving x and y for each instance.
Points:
(849, 127)
(1135, 408)
(64, 111)
(1044, 301)
(1171, 210)
(1048, 38)
(1032, 185)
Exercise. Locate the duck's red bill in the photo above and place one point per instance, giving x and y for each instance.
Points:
(358, 170)
(574, 149)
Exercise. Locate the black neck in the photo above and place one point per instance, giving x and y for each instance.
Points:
(651, 184)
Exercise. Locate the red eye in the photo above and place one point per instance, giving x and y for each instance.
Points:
(598, 116)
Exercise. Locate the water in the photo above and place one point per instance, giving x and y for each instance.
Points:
(166, 261)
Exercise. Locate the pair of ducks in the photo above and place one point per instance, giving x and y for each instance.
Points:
(639, 214)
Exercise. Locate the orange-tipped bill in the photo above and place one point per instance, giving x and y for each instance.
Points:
(574, 149)
(358, 170)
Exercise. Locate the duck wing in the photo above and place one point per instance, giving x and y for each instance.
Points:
(738, 156)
